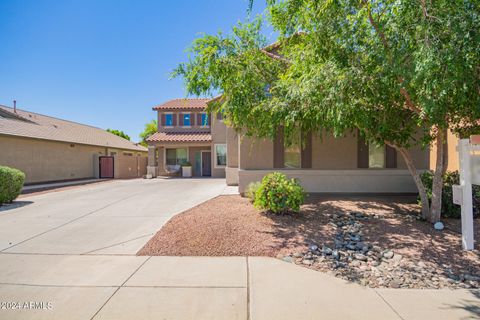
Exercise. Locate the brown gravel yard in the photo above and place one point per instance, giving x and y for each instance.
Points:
(423, 257)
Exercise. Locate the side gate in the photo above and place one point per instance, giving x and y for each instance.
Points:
(106, 167)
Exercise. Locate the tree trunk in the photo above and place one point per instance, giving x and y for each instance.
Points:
(418, 181)
(437, 185)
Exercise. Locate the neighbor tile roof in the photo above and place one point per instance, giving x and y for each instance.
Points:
(34, 125)
(180, 137)
(189, 103)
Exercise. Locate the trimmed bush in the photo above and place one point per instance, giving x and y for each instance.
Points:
(251, 190)
(11, 183)
(278, 194)
(450, 210)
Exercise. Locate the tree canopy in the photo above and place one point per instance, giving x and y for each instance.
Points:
(402, 72)
(119, 133)
(149, 129)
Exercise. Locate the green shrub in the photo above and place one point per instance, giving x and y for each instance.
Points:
(11, 183)
(449, 209)
(279, 194)
(251, 190)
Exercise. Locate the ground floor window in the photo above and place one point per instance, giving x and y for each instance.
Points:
(176, 156)
(293, 154)
(220, 155)
(376, 156)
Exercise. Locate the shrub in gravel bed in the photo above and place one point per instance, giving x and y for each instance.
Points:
(278, 194)
(11, 183)
(251, 190)
(450, 210)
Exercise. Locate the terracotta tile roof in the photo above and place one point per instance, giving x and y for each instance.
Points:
(38, 126)
(180, 137)
(176, 104)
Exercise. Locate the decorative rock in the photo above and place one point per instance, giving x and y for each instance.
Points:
(470, 277)
(326, 250)
(313, 247)
(356, 263)
(397, 257)
(396, 283)
(336, 254)
(360, 257)
(307, 262)
(297, 255)
(438, 226)
(351, 246)
(388, 254)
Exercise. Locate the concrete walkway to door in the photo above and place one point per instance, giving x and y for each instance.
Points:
(71, 255)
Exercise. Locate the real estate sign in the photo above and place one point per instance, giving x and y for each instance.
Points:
(469, 154)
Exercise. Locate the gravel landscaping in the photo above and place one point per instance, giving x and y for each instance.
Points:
(374, 241)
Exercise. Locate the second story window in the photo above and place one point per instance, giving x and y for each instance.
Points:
(186, 120)
(204, 119)
(168, 120)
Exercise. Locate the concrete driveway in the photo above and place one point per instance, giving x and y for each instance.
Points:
(117, 217)
(71, 255)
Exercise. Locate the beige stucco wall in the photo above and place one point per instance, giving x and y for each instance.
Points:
(231, 171)
(219, 136)
(255, 153)
(128, 167)
(43, 160)
(328, 153)
(452, 153)
(341, 181)
(334, 167)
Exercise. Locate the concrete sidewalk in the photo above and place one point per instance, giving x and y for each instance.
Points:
(131, 287)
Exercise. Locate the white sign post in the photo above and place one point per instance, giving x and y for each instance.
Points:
(462, 194)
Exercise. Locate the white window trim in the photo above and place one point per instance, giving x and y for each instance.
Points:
(215, 154)
(201, 124)
(190, 113)
(165, 113)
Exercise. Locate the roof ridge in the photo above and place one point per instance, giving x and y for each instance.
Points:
(56, 118)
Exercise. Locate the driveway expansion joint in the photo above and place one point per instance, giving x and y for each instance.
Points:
(388, 304)
(116, 290)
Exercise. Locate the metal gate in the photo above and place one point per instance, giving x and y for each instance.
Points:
(106, 167)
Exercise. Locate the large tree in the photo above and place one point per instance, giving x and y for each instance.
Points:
(402, 72)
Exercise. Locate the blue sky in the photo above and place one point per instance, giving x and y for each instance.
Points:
(102, 62)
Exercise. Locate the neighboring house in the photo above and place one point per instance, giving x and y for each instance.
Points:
(51, 149)
(186, 133)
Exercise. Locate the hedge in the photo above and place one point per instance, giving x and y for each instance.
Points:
(11, 183)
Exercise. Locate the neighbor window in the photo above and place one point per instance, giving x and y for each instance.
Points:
(220, 155)
(292, 154)
(186, 120)
(168, 120)
(204, 119)
(376, 156)
(176, 156)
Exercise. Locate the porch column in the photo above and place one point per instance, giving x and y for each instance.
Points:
(152, 161)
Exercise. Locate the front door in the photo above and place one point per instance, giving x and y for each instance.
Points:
(206, 164)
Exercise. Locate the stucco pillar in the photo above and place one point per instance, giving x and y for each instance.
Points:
(152, 161)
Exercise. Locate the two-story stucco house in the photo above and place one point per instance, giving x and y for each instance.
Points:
(186, 133)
